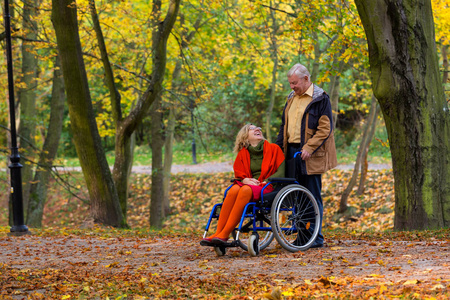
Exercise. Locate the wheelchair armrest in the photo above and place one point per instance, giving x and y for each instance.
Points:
(282, 180)
(279, 180)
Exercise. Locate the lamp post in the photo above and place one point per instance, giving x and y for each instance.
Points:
(18, 228)
(194, 148)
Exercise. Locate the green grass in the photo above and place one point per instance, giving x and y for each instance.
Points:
(348, 155)
(379, 152)
(181, 156)
(143, 157)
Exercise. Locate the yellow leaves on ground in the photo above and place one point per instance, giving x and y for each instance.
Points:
(410, 282)
(274, 295)
(215, 280)
(193, 196)
(373, 210)
(374, 207)
(353, 288)
(112, 265)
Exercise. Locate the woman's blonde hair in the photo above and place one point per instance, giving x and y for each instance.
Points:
(242, 138)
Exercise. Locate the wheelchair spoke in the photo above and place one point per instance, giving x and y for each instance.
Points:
(296, 217)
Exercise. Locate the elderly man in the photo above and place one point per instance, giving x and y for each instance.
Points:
(307, 127)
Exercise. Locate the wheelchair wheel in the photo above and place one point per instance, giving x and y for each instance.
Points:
(220, 250)
(295, 218)
(253, 244)
(265, 238)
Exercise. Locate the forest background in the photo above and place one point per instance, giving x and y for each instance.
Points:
(224, 65)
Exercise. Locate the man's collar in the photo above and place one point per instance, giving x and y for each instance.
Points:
(310, 90)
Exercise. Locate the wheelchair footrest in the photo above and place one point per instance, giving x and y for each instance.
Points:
(230, 244)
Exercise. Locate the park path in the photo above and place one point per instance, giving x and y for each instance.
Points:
(182, 256)
(218, 167)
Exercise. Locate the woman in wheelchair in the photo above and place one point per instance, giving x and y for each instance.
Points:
(256, 160)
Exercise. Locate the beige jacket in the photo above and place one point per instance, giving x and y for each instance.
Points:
(317, 136)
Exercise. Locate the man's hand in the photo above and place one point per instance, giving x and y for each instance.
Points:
(250, 181)
(305, 155)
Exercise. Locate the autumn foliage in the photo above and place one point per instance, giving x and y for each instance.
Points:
(225, 51)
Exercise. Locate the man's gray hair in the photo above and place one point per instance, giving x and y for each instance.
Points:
(299, 70)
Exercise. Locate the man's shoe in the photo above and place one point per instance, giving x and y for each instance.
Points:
(206, 242)
(298, 242)
(316, 245)
(218, 241)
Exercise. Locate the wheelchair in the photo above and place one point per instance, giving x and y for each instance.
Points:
(290, 214)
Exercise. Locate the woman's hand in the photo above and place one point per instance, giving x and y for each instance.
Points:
(250, 181)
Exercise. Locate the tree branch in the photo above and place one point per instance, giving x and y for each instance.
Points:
(120, 67)
(277, 9)
(114, 93)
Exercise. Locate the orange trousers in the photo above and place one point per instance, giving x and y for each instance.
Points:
(232, 209)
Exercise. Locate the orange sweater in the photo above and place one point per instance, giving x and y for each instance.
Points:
(272, 159)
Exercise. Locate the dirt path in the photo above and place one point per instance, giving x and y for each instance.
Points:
(214, 167)
(218, 167)
(389, 261)
(210, 167)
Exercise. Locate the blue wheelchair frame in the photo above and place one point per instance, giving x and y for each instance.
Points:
(251, 213)
(257, 211)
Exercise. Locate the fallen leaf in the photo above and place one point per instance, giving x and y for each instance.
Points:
(411, 282)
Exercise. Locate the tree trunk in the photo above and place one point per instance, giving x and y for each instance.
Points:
(170, 129)
(168, 157)
(407, 83)
(335, 84)
(123, 164)
(157, 198)
(38, 191)
(27, 96)
(194, 146)
(105, 207)
(317, 53)
(273, 85)
(365, 165)
(362, 146)
(445, 63)
(129, 124)
(8, 133)
(185, 38)
(124, 144)
(335, 81)
(109, 75)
